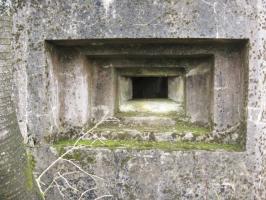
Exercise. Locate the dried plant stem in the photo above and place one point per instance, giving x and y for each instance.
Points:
(62, 176)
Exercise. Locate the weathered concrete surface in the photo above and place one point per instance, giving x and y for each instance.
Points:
(154, 174)
(37, 21)
(199, 94)
(87, 84)
(16, 180)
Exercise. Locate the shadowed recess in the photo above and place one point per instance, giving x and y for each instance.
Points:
(149, 87)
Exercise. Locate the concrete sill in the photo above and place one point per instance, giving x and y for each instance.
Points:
(156, 106)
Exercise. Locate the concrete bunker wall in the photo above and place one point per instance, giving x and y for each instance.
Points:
(38, 111)
(86, 79)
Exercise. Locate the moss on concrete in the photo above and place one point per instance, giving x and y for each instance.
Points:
(29, 178)
(181, 127)
(195, 129)
(148, 114)
(147, 145)
(29, 171)
(76, 155)
(79, 156)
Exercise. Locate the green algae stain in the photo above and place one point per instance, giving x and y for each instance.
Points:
(77, 155)
(29, 171)
(191, 127)
(181, 127)
(148, 145)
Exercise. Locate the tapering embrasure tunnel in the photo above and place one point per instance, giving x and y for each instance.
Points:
(153, 82)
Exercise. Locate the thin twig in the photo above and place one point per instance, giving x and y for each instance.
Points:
(82, 170)
(108, 195)
(57, 177)
(38, 180)
(58, 187)
(69, 185)
(86, 192)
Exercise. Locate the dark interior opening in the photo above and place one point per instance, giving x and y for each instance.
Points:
(150, 87)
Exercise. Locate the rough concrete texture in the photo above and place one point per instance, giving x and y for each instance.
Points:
(38, 109)
(150, 106)
(48, 22)
(154, 174)
(214, 72)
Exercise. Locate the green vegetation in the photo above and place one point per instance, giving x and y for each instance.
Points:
(77, 155)
(147, 145)
(29, 170)
(193, 128)
(32, 161)
(148, 114)
(181, 127)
